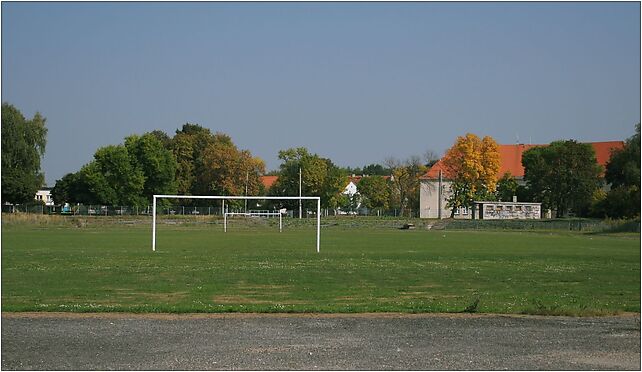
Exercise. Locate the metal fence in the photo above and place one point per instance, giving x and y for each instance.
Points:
(181, 210)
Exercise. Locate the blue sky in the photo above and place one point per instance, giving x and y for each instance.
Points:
(354, 82)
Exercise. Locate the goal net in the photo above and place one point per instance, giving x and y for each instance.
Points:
(255, 213)
(247, 214)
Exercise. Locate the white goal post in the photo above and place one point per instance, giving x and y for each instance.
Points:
(318, 199)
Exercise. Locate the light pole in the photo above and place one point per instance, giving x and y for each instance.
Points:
(247, 177)
(300, 208)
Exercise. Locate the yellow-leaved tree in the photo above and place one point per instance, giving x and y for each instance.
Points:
(471, 164)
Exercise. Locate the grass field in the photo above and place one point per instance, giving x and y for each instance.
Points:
(198, 268)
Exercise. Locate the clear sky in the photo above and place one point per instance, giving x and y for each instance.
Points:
(354, 82)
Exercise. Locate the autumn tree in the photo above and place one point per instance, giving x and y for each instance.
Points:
(563, 175)
(471, 164)
(23, 145)
(231, 171)
(404, 182)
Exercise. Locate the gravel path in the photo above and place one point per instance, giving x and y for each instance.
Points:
(313, 342)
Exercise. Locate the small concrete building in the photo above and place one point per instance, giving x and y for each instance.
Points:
(497, 210)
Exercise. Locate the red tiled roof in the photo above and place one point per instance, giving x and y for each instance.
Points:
(603, 150)
(511, 158)
(268, 181)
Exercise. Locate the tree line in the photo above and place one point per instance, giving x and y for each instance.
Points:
(564, 175)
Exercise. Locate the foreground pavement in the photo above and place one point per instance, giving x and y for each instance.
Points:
(47, 341)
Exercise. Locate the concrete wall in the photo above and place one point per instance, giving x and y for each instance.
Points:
(506, 210)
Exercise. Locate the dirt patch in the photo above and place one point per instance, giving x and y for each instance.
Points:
(235, 299)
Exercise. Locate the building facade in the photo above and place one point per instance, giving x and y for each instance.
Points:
(44, 195)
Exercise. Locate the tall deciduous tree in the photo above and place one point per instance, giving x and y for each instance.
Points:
(230, 171)
(23, 145)
(375, 192)
(623, 173)
(157, 164)
(126, 174)
(563, 176)
(113, 178)
(472, 165)
(72, 188)
(320, 177)
(404, 182)
(188, 145)
(506, 187)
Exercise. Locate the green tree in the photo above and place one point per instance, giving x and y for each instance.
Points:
(506, 187)
(623, 173)
(72, 189)
(163, 137)
(188, 145)
(375, 170)
(113, 178)
(157, 164)
(375, 192)
(623, 168)
(320, 177)
(563, 176)
(23, 145)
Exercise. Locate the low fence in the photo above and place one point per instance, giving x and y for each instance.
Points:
(586, 225)
(390, 219)
(210, 210)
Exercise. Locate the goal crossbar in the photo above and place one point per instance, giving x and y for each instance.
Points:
(219, 197)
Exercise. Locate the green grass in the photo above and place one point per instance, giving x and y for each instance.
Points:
(198, 268)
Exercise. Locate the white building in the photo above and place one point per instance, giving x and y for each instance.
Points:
(44, 195)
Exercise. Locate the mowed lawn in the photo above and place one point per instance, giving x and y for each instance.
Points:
(202, 269)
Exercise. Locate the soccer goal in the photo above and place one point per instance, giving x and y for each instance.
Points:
(223, 198)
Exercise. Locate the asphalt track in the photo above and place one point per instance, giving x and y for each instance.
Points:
(46, 341)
